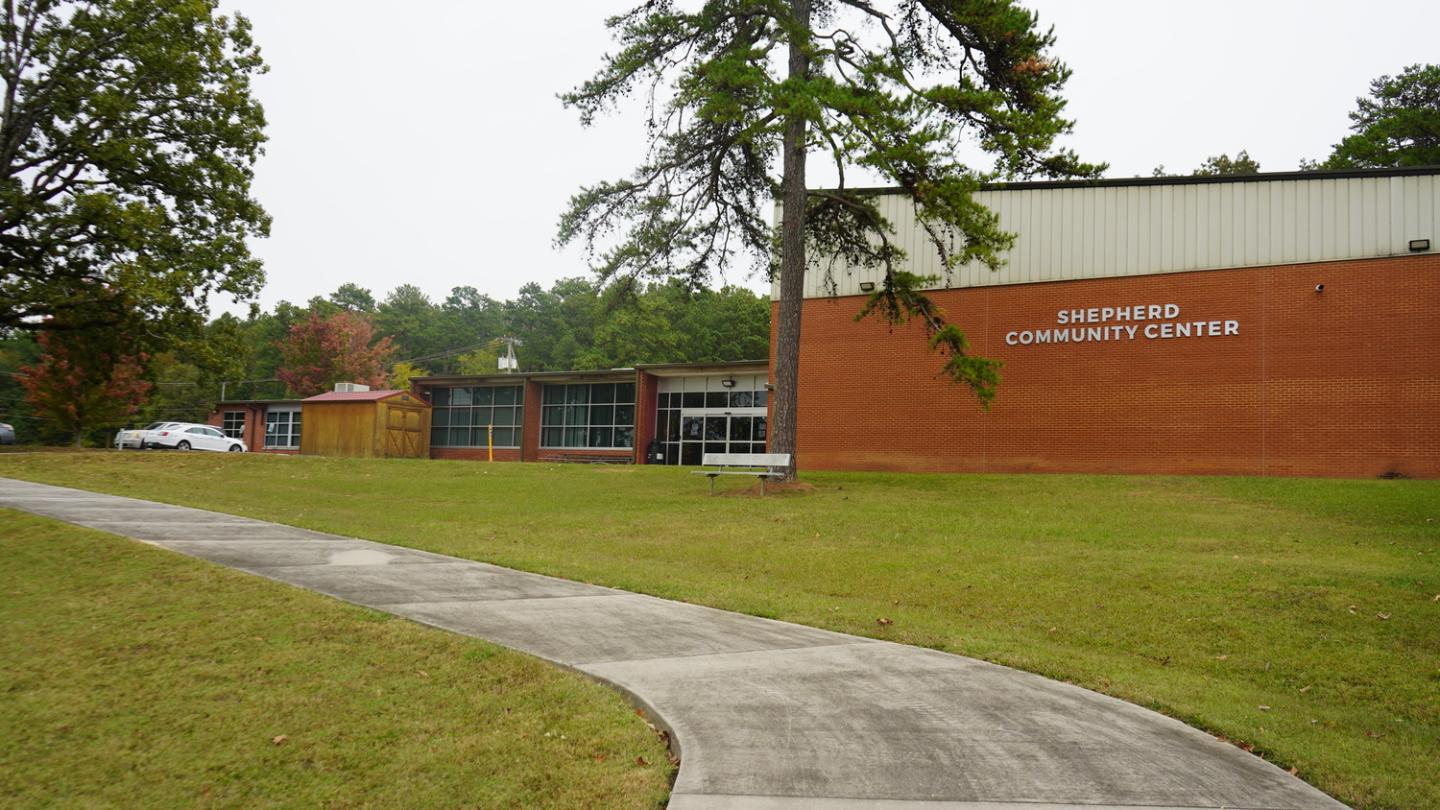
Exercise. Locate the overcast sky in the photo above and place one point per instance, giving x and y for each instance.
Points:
(422, 142)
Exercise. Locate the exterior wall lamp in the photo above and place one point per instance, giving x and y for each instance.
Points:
(728, 382)
(869, 286)
(1419, 245)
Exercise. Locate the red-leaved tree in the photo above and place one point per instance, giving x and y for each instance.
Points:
(321, 351)
(83, 381)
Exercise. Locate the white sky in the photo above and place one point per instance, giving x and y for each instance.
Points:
(422, 142)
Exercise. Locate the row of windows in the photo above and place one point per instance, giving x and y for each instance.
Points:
(597, 415)
(715, 399)
(474, 417)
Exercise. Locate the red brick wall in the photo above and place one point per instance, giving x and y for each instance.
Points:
(1340, 383)
(474, 453)
(647, 389)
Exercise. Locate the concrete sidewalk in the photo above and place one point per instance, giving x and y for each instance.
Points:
(763, 714)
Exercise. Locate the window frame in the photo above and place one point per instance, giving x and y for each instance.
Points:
(443, 418)
(230, 431)
(592, 400)
(291, 428)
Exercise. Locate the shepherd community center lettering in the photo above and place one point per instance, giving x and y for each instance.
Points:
(1163, 324)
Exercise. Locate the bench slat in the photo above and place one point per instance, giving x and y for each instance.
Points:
(746, 459)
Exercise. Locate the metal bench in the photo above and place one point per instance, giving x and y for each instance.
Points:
(759, 465)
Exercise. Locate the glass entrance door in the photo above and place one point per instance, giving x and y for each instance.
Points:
(705, 432)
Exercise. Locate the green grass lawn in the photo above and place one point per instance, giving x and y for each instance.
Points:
(134, 677)
(1296, 616)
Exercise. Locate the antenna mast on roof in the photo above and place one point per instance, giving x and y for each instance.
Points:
(508, 363)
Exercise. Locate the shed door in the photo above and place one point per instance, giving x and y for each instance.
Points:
(402, 432)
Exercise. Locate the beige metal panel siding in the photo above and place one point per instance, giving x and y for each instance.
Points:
(1075, 233)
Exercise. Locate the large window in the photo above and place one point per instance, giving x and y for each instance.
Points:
(233, 424)
(282, 429)
(464, 417)
(599, 415)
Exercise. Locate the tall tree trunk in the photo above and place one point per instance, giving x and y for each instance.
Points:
(792, 257)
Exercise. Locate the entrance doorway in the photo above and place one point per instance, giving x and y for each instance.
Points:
(711, 414)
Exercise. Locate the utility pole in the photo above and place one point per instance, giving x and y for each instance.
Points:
(508, 363)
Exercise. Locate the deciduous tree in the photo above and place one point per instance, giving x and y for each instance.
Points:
(321, 351)
(84, 380)
(127, 136)
(742, 90)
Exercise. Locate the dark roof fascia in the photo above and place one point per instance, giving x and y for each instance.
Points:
(520, 376)
(257, 402)
(1179, 180)
(716, 364)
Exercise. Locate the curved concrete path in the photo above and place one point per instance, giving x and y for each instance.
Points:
(770, 715)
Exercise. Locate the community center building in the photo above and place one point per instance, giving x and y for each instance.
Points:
(1271, 324)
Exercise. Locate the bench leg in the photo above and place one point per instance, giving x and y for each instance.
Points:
(762, 486)
(712, 485)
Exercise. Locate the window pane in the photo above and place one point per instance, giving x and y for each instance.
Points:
(554, 395)
(440, 397)
(481, 417)
(552, 437)
(715, 430)
(294, 417)
(602, 414)
(506, 395)
(600, 436)
(505, 437)
(717, 399)
(625, 415)
(577, 394)
(576, 416)
(761, 397)
(757, 448)
(602, 393)
(740, 429)
(553, 415)
(440, 417)
(672, 453)
(438, 436)
(694, 428)
(758, 432)
(507, 416)
(574, 437)
(459, 437)
(693, 399)
(625, 392)
(662, 401)
(483, 396)
(624, 437)
(741, 399)
(714, 447)
(460, 396)
(672, 431)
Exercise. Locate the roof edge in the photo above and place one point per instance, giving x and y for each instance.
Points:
(1178, 180)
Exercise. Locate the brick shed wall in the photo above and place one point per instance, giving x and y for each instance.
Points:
(1340, 383)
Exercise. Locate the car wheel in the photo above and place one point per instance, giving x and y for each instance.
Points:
(183, 446)
(235, 448)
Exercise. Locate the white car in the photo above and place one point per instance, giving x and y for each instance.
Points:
(142, 438)
(190, 436)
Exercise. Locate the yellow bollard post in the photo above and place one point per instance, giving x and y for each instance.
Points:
(490, 441)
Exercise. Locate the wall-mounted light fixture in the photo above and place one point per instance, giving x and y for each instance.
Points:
(1319, 288)
(1419, 245)
(869, 286)
(728, 382)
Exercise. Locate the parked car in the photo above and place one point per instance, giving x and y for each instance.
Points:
(190, 436)
(7, 433)
(144, 437)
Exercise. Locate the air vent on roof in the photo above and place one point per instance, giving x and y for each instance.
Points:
(350, 388)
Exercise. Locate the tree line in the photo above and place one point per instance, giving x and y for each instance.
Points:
(296, 350)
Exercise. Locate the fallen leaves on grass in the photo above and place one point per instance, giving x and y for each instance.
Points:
(279, 739)
(884, 622)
